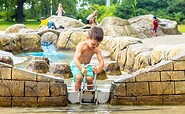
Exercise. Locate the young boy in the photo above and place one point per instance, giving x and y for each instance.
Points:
(155, 26)
(83, 54)
(47, 23)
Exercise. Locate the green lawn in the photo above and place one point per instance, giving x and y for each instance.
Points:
(181, 28)
(34, 25)
(28, 24)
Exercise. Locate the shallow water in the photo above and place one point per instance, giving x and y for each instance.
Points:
(54, 57)
(100, 109)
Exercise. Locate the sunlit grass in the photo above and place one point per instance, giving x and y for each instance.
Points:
(28, 24)
(181, 28)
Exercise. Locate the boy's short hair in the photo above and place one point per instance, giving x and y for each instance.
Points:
(154, 17)
(96, 33)
(42, 18)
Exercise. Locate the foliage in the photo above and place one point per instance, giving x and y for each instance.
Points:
(103, 12)
(34, 9)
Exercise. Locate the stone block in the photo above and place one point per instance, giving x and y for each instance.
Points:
(161, 88)
(112, 68)
(5, 88)
(60, 70)
(22, 74)
(58, 89)
(17, 88)
(137, 89)
(53, 101)
(125, 78)
(5, 65)
(41, 58)
(31, 89)
(101, 75)
(180, 57)
(6, 72)
(39, 66)
(180, 87)
(5, 101)
(6, 59)
(179, 65)
(162, 66)
(49, 78)
(172, 75)
(43, 78)
(123, 100)
(174, 100)
(149, 100)
(42, 89)
(119, 90)
(24, 101)
(148, 76)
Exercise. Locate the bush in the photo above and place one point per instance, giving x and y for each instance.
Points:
(7, 15)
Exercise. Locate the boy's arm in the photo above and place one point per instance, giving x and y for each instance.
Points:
(38, 28)
(101, 61)
(39, 25)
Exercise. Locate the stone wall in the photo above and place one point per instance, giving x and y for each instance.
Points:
(162, 84)
(24, 88)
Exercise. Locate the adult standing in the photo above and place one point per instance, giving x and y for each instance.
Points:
(60, 10)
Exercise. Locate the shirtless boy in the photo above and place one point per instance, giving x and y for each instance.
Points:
(83, 54)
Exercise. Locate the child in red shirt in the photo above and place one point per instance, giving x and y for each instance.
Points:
(155, 26)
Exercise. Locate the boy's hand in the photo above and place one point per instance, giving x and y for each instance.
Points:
(96, 70)
(84, 70)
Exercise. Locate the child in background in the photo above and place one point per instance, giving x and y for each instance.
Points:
(155, 26)
(46, 22)
(83, 54)
(92, 18)
(60, 10)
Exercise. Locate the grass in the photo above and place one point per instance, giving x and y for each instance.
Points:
(28, 24)
(34, 24)
(181, 28)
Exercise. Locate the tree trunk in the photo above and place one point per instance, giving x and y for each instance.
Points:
(19, 18)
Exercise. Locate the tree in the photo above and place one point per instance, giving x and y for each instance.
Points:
(19, 18)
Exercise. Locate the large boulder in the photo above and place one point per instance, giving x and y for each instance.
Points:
(18, 28)
(14, 28)
(69, 39)
(143, 24)
(67, 22)
(114, 26)
(168, 27)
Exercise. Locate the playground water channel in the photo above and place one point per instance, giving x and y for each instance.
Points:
(77, 108)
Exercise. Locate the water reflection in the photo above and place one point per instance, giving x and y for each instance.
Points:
(100, 109)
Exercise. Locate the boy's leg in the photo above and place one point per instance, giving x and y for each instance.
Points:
(90, 82)
(49, 25)
(78, 82)
(53, 24)
(155, 33)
